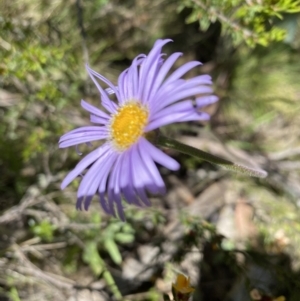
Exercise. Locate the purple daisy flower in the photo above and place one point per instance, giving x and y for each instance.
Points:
(124, 166)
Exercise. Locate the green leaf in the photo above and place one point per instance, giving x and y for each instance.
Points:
(114, 227)
(44, 230)
(14, 295)
(124, 238)
(92, 258)
(112, 248)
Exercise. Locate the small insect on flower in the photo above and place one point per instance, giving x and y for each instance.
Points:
(147, 98)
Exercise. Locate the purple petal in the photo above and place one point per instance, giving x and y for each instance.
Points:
(105, 80)
(181, 71)
(139, 174)
(105, 172)
(126, 182)
(160, 157)
(184, 93)
(114, 193)
(152, 74)
(83, 131)
(84, 163)
(128, 81)
(143, 197)
(93, 110)
(122, 87)
(115, 175)
(133, 77)
(165, 68)
(180, 107)
(206, 100)
(130, 195)
(142, 171)
(140, 177)
(83, 135)
(107, 206)
(120, 209)
(151, 167)
(111, 91)
(104, 204)
(98, 120)
(203, 79)
(152, 57)
(193, 115)
(85, 139)
(166, 92)
(106, 169)
(115, 201)
(91, 181)
(79, 203)
(109, 105)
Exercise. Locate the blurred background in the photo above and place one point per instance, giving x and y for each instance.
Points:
(236, 237)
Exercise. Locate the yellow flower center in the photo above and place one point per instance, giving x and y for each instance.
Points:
(127, 125)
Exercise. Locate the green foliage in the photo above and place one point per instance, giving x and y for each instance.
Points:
(266, 87)
(253, 22)
(14, 295)
(115, 233)
(42, 72)
(102, 2)
(92, 258)
(71, 259)
(44, 230)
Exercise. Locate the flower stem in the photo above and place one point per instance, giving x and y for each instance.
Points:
(199, 154)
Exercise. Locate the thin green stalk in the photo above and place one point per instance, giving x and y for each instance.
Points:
(199, 154)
